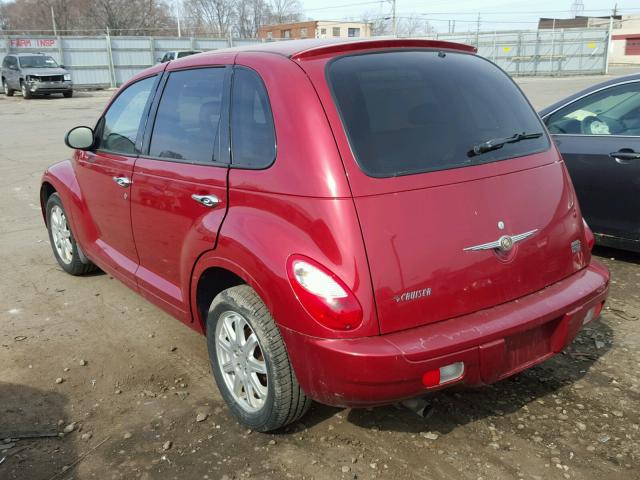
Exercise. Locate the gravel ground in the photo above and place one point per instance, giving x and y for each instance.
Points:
(131, 387)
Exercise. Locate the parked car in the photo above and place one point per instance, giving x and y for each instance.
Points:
(597, 132)
(34, 74)
(175, 54)
(352, 222)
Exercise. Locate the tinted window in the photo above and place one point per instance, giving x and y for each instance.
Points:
(187, 53)
(189, 120)
(409, 112)
(253, 141)
(121, 123)
(613, 111)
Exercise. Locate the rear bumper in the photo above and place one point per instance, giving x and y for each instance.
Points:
(493, 344)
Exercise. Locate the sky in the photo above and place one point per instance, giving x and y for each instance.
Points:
(494, 14)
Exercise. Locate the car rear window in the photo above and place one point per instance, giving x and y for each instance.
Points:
(409, 112)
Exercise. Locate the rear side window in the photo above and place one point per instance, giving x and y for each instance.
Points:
(409, 112)
(189, 121)
(253, 140)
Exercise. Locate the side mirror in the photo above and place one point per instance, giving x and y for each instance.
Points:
(61, 66)
(80, 138)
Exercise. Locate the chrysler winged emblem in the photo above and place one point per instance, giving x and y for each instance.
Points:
(504, 244)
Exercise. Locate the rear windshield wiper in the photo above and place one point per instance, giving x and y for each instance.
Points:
(496, 143)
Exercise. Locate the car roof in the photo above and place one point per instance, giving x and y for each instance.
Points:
(299, 49)
(593, 88)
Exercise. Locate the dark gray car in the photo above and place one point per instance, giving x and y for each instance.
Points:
(598, 133)
(175, 54)
(34, 74)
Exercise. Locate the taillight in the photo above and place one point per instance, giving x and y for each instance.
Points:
(442, 375)
(323, 294)
(591, 240)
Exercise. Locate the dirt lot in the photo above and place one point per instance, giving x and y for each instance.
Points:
(132, 378)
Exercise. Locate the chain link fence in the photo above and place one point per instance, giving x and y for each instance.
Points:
(108, 61)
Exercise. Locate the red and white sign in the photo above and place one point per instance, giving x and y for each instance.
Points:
(33, 43)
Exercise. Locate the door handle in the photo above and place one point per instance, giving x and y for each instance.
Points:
(623, 156)
(124, 182)
(208, 201)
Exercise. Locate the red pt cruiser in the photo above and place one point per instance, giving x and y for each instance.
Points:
(356, 223)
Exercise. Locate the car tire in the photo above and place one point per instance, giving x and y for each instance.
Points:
(63, 243)
(7, 91)
(259, 364)
(67, 94)
(26, 94)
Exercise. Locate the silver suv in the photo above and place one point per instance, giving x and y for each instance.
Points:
(34, 74)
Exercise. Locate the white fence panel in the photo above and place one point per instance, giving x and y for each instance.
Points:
(100, 61)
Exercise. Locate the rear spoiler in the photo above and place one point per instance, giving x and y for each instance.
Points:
(345, 47)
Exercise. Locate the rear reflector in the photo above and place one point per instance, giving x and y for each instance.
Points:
(589, 316)
(439, 376)
(593, 313)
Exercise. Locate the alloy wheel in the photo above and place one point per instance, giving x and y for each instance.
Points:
(61, 234)
(241, 361)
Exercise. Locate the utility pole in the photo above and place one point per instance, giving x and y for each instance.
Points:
(53, 21)
(478, 32)
(609, 43)
(178, 18)
(553, 49)
(394, 20)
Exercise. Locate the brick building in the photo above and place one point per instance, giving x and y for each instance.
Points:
(314, 29)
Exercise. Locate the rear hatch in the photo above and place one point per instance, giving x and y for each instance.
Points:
(447, 157)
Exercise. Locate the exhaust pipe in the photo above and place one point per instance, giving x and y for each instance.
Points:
(419, 405)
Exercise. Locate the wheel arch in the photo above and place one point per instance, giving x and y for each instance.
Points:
(46, 190)
(212, 281)
(60, 178)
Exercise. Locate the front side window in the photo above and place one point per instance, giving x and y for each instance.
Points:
(189, 121)
(408, 112)
(120, 125)
(38, 61)
(612, 111)
(253, 142)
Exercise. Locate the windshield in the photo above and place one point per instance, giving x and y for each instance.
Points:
(418, 111)
(38, 61)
